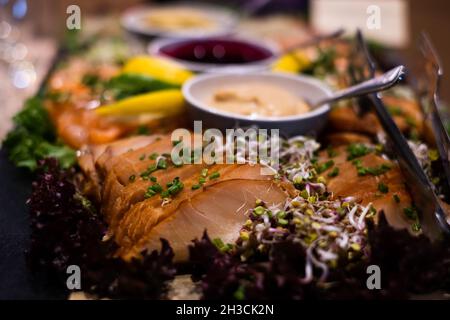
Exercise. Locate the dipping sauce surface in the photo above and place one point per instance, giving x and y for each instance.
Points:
(216, 51)
(175, 19)
(257, 99)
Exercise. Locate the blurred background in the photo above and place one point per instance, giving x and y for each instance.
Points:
(30, 31)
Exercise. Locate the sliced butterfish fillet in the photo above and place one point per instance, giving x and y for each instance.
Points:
(221, 210)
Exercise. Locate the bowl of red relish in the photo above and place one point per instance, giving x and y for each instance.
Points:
(217, 54)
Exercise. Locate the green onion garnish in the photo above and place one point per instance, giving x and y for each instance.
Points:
(334, 172)
(196, 186)
(214, 175)
(383, 188)
(396, 198)
(356, 150)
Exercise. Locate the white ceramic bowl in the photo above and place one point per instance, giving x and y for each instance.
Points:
(197, 90)
(133, 20)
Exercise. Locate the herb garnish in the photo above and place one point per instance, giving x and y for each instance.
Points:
(153, 156)
(173, 188)
(214, 175)
(383, 188)
(162, 164)
(324, 166)
(152, 190)
(410, 213)
(331, 152)
(34, 138)
(356, 150)
(374, 171)
(396, 198)
(334, 172)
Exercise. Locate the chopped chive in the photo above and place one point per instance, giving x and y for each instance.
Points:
(196, 186)
(214, 175)
(204, 172)
(201, 180)
(374, 171)
(153, 179)
(334, 172)
(331, 152)
(357, 163)
(152, 190)
(149, 194)
(324, 166)
(165, 194)
(361, 171)
(396, 198)
(153, 156)
(174, 187)
(149, 171)
(132, 178)
(410, 212)
(356, 150)
(383, 188)
(142, 157)
(176, 142)
(156, 188)
(162, 164)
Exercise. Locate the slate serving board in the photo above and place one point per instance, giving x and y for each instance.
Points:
(16, 281)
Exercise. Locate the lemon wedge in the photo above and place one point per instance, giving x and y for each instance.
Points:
(159, 68)
(164, 103)
(293, 62)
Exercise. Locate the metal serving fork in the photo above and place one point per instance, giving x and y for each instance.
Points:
(434, 72)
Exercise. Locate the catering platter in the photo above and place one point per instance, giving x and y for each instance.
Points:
(109, 195)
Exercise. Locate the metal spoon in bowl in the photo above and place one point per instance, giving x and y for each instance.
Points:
(379, 83)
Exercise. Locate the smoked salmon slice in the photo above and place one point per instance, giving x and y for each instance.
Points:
(137, 221)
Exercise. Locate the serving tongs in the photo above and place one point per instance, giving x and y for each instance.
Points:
(431, 214)
(434, 73)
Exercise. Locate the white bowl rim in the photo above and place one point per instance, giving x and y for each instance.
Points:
(154, 48)
(196, 103)
(225, 28)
